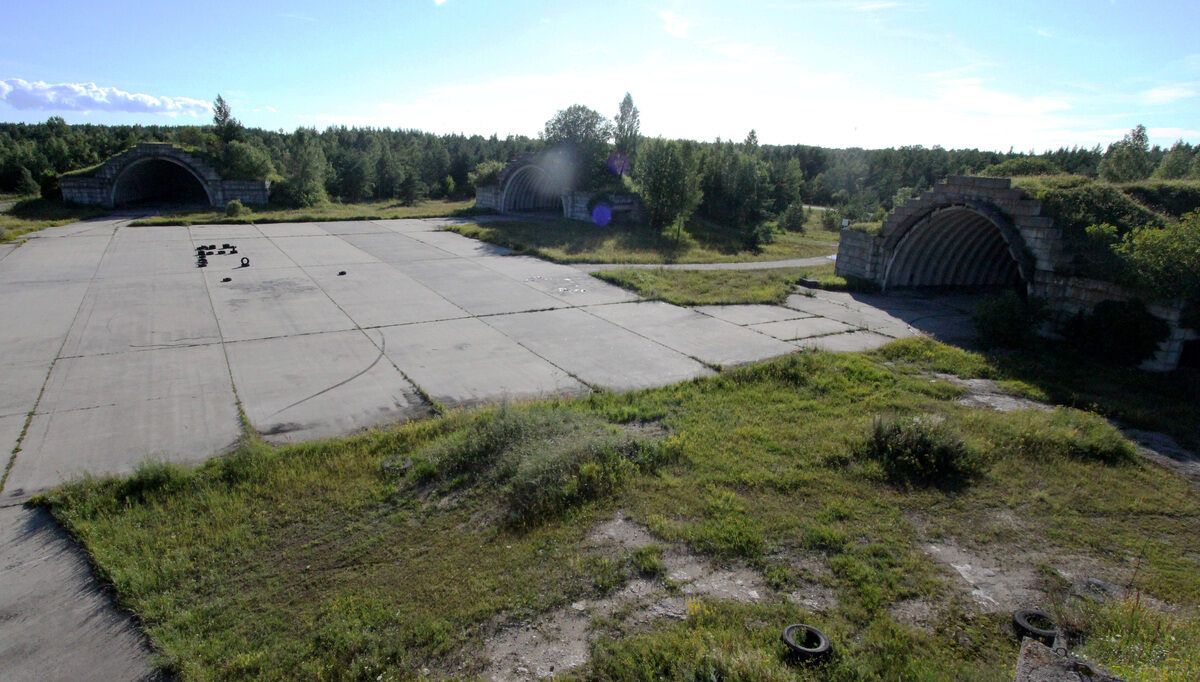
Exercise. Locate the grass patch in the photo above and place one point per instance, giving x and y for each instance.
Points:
(393, 551)
(330, 212)
(723, 287)
(919, 450)
(571, 241)
(31, 215)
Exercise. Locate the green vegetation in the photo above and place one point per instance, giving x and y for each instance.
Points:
(383, 554)
(376, 210)
(1007, 320)
(711, 287)
(668, 182)
(570, 241)
(31, 215)
(920, 450)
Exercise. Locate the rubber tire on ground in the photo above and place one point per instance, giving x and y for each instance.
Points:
(798, 649)
(1024, 628)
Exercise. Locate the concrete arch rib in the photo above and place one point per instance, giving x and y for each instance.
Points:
(956, 245)
(528, 189)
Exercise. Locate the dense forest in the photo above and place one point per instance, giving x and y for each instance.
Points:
(738, 180)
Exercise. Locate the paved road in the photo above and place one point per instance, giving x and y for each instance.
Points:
(116, 349)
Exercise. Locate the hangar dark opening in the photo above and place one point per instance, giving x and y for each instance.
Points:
(158, 181)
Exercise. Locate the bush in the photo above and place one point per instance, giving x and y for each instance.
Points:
(243, 161)
(544, 460)
(831, 219)
(50, 188)
(793, 217)
(919, 450)
(1022, 165)
(1164, 263)
(486, 174)
(1006, 321)
(235, 208)
(668, 182)
(1117, 332)
(1175, 198)
(26, 185)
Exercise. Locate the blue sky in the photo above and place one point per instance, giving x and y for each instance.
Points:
(870, 73)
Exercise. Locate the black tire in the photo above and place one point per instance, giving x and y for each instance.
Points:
(812, 644)
(1024, 623)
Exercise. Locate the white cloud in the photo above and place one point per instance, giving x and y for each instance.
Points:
(1042, 32)
(88, 97)
(439, 2)
(875, 6)
(675, 24)
(1166, 94)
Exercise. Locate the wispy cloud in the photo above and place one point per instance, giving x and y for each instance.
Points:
(38, 95)
(1167, 94)
(1042, 32)
(300, 17)
(675, 24)
(877, 6)
(439, 2)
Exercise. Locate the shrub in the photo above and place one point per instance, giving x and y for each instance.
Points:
(244, 161)
(1022, 165)
(668, 182)
(25, 182)
(1006, 321)
(831, 219)
(920, 451)
(50, 188)
(1117, 332)
(793, 217)
(543, 460)
(1164, 263)
(236, 208)
(486, 174)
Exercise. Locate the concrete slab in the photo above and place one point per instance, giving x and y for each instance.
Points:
(36, 318)
(391, 247)
(751, 314)
(464, 362)
(72, 259)
(291, 230)
(352, 227)
(22, 383)
(6, 249)
(377, 295)
(152, 233)
(217, 234)
(260, 303)
(460, 245)
(596, 351)
(134, 313)
(560, 281)
(789, 330)
(353, 387)
(100, 227)
(324, 250)
(58, 623)
(852, 342)
(143, 258)
(117, 438)
(712, 341)
(404, 225)
(262, 253)
(10, 431)
(128, 378)
(478, 290)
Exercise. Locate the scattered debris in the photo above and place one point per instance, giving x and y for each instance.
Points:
(1040, 663)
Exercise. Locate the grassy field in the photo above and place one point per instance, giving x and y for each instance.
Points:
(396, 553)
(31, 215)
(568, 241)
(377, 210)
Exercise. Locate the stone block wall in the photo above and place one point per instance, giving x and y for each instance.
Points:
(858, 255)
(246, 191)
(575, 206)
(488, 198)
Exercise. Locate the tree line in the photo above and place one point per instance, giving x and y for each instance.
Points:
(739, 184)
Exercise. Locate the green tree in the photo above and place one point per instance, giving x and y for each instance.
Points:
(668, 182)
(228, 128)
(1177, 162)
(1129, 159)
(627, 132)
(1164, 262)
(245, 161)
(585, 134)
(26, 184)
(305, 182)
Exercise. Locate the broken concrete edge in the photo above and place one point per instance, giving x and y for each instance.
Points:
(1040, 663)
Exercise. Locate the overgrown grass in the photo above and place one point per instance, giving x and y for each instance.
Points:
(724, 287)
(570, 241)
(1052, 372)
(373, 210)
(382, 554)
(31, 215)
